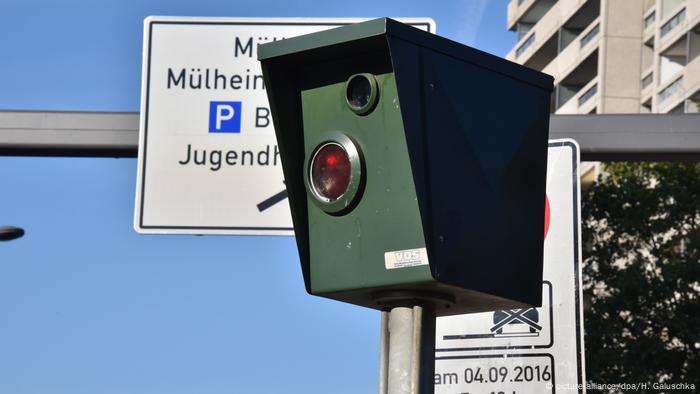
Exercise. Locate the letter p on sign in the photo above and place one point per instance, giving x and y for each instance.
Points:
(225, 117)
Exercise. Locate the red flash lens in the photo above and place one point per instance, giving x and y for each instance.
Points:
(330, 171)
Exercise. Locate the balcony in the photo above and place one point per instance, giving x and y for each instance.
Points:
(673, 59)
(647, 84)
(649, 4)
(676, 55)
(590, 35)
(677, 22)
(587, 94)
(573, 55)
(668, 8)
(672, 23)
(525, 45)
(670, 91)
(584, 101)
(576, 89)
(649, 25)
(692, 104)
(691, 79)
(684, 86)
(527, 11)
(549, 41)
(649, 20)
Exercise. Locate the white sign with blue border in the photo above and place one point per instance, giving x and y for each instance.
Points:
(208, 159)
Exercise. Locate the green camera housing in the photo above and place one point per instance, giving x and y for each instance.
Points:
(415, 167)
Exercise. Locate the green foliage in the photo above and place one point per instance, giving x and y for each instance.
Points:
(641, 233)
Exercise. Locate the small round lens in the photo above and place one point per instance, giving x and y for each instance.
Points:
(359, 91)
(330, 172)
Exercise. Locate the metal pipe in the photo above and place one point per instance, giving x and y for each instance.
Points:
(407, 366)
(400, 350)
(650, 137)
(384, 353)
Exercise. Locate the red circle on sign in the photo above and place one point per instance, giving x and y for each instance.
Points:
(546, 215)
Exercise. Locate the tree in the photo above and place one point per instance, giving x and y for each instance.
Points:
(641, 233)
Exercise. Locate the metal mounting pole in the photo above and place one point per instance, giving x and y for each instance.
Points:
(407, 351)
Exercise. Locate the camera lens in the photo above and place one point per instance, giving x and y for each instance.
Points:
(361, 93)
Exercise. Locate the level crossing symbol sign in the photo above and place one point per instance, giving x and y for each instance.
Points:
(529, 350)
(208, 157)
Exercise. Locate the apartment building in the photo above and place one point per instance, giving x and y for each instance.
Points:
(612, 56)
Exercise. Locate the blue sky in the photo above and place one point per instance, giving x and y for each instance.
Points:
(89, 306)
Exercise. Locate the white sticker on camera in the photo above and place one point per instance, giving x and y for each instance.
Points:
(405, 258)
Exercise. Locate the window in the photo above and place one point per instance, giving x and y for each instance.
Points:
(589, 93)
(673, 22)
(646, 81)
(522, 48)
(671, 89)
(522, 29)
(590, 35)
(649, 20)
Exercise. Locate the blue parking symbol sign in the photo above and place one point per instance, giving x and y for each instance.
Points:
(225, 117)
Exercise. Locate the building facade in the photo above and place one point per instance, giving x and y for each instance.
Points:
(612, 56)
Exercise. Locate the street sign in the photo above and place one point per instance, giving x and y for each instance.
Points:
(208, 158)
(530, 350)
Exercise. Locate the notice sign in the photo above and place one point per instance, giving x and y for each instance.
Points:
(208, 158)
(530, 350)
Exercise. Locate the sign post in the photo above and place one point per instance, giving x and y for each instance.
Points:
(532, 350)
(209, 162)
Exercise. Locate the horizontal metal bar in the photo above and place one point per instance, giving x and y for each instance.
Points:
(100, 134)
(625, 137)
(631, 137)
